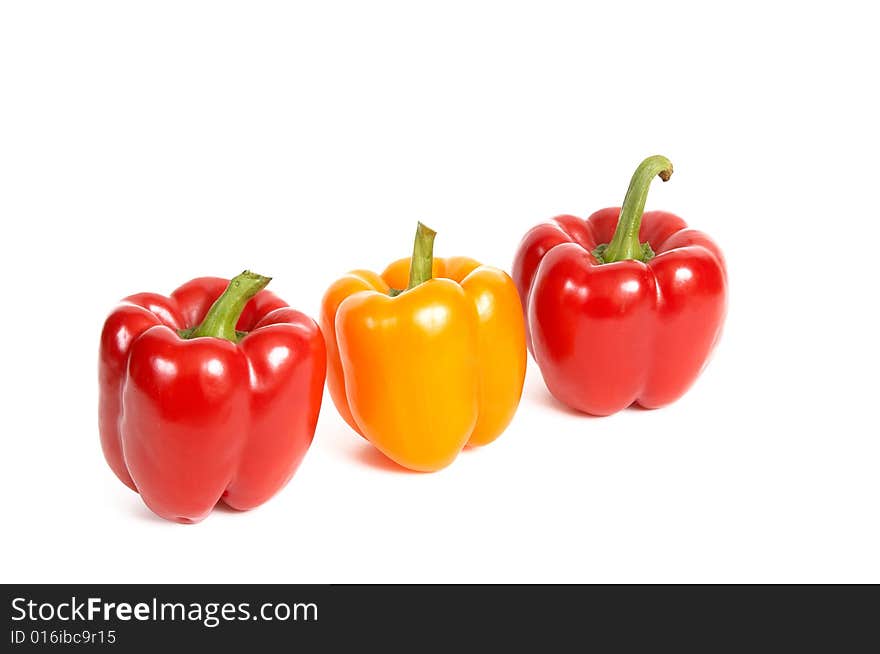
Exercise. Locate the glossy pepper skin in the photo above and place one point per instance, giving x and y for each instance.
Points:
(612, 322)
(422, 373)
(188, 419)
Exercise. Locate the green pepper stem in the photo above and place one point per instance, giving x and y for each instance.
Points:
(224, 313)
(625, 242)
(421, 267)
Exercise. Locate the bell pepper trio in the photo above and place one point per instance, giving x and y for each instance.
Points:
(212, 394)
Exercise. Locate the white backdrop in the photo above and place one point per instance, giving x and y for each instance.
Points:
(143, 144)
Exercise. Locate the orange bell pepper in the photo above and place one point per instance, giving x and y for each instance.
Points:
(422, 372)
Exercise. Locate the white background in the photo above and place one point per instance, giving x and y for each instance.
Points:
(145, 144)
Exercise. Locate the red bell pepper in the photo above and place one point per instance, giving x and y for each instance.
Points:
(208, 395)
(624, 307)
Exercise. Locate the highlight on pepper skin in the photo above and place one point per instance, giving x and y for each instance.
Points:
(624, 307)
(209, 395)
(427, 357)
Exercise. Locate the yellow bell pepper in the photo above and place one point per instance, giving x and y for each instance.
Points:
(427, 357)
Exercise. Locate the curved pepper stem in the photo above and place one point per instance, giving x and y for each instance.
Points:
(421, 267)
(221, 318)
(625, 242)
